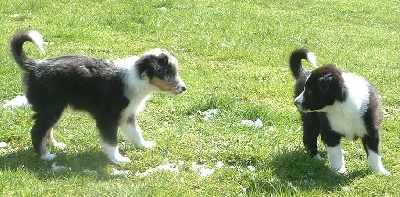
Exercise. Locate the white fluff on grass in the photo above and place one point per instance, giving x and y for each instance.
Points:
(56, 168)
(3, 145)
(16, 102)
(256, 124)
(210, 113)
(171, 167)
(202, 170)
(124, 173)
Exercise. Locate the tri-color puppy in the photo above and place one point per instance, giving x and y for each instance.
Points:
(337, 104)
(112, 91)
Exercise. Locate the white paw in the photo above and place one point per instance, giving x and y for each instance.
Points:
(375, 163)
(120, 159)
(146, 144)
(48, 156)
(382, 171)
(318, 157)
(385, 172)
(341, 170)
(59, 145)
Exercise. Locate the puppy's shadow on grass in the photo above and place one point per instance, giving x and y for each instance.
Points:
(91, 162)
(295, 170)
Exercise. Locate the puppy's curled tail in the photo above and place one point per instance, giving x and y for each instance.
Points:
(295, 61)
(17, 51)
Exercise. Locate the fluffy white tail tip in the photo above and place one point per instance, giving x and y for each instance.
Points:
(37, 39)
(312, 59)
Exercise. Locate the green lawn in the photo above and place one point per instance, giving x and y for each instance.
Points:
(233, 57)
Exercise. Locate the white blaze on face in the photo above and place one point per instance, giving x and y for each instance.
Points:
(299, 101)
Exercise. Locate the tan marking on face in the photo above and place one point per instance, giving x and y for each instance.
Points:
(162, 84)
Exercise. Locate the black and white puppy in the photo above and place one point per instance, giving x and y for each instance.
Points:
(112, 91)
(337, 104)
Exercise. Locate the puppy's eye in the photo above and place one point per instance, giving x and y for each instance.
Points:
(307, 91)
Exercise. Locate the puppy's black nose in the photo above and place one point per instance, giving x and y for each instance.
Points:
(183, 88)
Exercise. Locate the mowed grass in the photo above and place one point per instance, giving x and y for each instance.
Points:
(233, 57)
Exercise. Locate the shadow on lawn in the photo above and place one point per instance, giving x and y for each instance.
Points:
(90, 162)
(295, 171)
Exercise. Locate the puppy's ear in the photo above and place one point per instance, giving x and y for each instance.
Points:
(162, 60)
(324, 83)
(153, 65)
(160, 66)
(147, 65)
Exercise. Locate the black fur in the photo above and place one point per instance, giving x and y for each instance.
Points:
(17, 51)
(319, 82)
(373, 120)
(311, 122)
(322, 87)
(84, 83)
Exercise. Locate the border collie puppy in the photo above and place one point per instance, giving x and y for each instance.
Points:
(337, 104)
(112, 91)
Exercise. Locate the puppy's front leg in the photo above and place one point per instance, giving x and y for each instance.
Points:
(336, 158)
(109, 140)
(112, 153)
(132, 131)
(375, 162)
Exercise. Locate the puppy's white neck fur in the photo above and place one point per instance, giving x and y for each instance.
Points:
(137, 88)
(357, 99)
(134, 83)
(346, 117)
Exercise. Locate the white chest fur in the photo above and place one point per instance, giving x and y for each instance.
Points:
(346, 117)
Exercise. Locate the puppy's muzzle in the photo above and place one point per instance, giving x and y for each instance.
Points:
(180, 87)
(298, 101)
(298, 104)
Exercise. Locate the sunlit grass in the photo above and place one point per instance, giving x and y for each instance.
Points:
(233, 57)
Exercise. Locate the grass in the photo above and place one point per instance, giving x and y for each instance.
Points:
(233, 57)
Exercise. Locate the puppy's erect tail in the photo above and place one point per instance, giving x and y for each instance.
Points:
(16, 47)
(295, 61)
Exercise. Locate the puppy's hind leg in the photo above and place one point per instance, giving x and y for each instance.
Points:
(371, 146)
(44, 121)
(311, 131)
(51, 141)
(132, 131)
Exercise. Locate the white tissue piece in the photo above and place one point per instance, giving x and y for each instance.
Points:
(202, 170)
(17, 101)
(210, 113)
(219, 164)
(3, 145)
(92, 172)
(124, 173)
(166, 167)
(57, 168)
(256, 124)
(251, 168)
